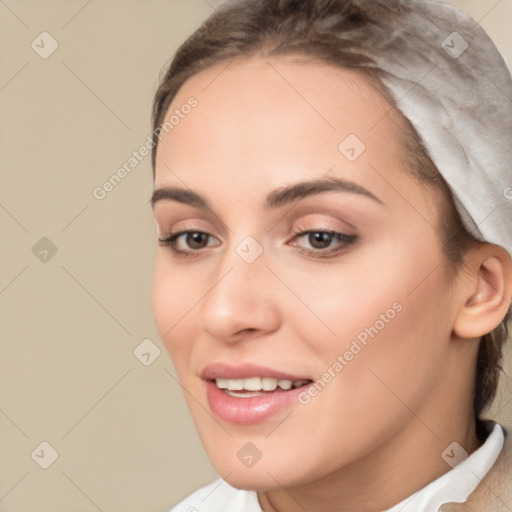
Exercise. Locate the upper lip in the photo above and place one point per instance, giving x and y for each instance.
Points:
(245, 371)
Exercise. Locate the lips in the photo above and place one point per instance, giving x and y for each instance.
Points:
(245, 371)
(249, 394)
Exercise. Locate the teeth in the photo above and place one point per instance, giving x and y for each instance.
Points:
(234, 385)
(258, 384)
(252, 384)
(244, 394)
(268, 384)
(285, 384)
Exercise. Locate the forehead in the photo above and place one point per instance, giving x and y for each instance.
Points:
(275, 119)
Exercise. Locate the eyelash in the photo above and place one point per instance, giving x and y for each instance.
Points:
(170, 242)
(344, 240)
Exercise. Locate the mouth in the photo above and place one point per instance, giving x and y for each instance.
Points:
(250, 394)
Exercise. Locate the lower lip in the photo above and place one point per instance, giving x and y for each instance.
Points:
(246, 411)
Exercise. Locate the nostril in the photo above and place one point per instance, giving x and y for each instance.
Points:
(247, 330)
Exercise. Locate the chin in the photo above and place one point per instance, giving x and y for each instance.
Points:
(283, 469)
(249, 480)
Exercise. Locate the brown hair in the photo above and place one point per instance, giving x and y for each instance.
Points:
(345, 33)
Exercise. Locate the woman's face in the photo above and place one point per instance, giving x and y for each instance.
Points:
(307, 255)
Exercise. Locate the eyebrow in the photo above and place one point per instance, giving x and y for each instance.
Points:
(276, 199)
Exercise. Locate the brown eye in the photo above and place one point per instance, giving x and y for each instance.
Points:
(323, 244)
(196, 240)
(320, 239)
(187, 243)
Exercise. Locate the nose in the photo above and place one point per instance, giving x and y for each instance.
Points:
(241, 302)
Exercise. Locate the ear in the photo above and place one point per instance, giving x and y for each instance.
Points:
(486, 289)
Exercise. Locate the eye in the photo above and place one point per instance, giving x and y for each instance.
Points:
(185, 243)
(323, 243)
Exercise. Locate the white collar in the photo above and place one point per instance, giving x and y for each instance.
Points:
(456, 485)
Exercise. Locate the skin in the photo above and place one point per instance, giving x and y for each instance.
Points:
(374, 435)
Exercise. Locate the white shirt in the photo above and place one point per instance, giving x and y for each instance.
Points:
(454, 486)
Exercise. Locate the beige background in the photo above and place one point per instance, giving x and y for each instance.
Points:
(70, 325)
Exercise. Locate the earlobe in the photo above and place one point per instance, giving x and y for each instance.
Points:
(487, 292)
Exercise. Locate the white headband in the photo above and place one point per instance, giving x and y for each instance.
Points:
(448, 78)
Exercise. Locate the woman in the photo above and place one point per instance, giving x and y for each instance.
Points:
(333, 278)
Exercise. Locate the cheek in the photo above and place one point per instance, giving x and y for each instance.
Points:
(173, 302)
(396, 348)
(162, 300)
(389, 316)
(376, 369)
